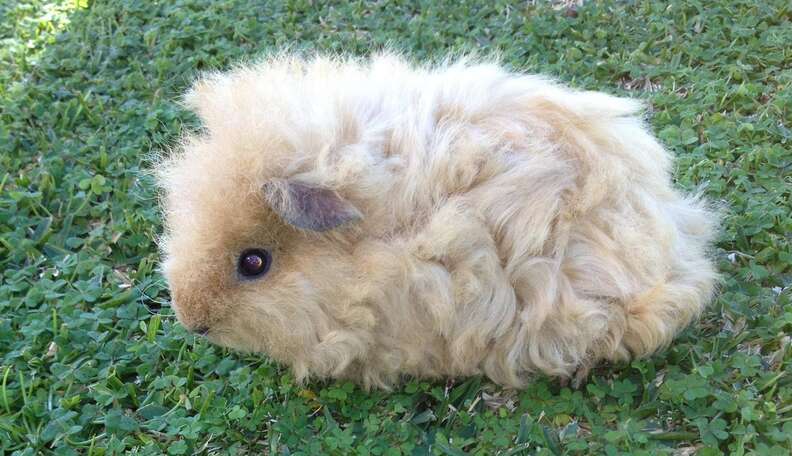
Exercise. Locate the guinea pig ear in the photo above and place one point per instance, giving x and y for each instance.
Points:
(309, 207)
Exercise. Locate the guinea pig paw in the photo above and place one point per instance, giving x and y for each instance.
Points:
(581, 375)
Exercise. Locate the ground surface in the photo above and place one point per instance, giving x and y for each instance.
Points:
(92, 361)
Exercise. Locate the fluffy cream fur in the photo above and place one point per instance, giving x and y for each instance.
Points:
(503, 224)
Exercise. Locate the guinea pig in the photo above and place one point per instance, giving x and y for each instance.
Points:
(370, 219)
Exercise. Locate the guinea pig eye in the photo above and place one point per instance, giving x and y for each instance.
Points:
(254, 263)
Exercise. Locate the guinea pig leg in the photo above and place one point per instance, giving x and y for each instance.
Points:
(337, 350)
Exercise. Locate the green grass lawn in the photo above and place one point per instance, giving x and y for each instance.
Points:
(92, 360)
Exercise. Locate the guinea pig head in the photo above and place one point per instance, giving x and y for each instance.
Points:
(252, 261)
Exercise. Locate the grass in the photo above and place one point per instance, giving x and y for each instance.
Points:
(91, 358)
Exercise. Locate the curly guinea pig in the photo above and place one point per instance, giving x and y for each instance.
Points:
(368, 219)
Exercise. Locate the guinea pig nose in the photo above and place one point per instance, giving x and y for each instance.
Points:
(201, 330)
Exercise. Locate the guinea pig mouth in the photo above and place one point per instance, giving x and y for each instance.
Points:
(193, 314)
(197, 328)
